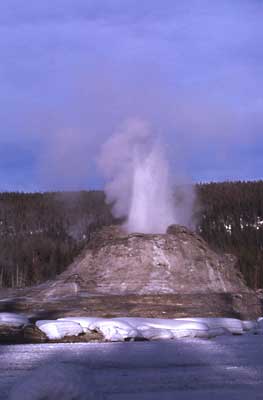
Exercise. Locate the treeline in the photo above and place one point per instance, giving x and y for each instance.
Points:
(231, 219)
(40, 234)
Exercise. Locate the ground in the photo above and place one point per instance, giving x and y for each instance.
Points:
(229, 367)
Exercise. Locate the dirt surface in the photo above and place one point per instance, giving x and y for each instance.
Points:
(238, 305)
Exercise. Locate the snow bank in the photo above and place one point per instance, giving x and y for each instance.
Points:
(259, 328)
(232, 325)
(13, 319)
(128, 328)
(85, 322)
(159, 328)
(114, 330)
(249, 325)
(59, 329)
(120, 329)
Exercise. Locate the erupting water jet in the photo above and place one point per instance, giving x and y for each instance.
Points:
(139, 182)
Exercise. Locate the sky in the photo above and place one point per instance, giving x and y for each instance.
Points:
(73, 71)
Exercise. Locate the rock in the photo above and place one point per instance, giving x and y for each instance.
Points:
(11, 334)
(87, 337)
(60, 289)
(32, 334)
(177, 262)
(11, 327)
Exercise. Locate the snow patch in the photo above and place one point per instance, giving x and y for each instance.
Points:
(249, 325)
(120, 329)
(232, 325)
(59, 329)
(85, 322)
(115, 330)
(259, 328)
(13, 319)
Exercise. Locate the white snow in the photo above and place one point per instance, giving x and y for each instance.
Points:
(249, 325)
(120, 329)
(232, 325)
(85, 322)
(259, 328)
(13, 319)
(129, 328)
(177, 328)
(114, 330)
(59, 329)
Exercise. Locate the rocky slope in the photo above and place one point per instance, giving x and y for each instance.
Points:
(173, 263)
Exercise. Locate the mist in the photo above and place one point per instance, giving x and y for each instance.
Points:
(139, 183)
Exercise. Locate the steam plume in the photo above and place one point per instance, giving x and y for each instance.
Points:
(139, 183)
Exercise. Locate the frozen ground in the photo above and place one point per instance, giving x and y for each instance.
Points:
(227, 367)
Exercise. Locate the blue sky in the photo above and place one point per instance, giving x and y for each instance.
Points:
(71, 71)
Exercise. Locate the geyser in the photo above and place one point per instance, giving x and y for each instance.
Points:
(152, 204)
(139, 183)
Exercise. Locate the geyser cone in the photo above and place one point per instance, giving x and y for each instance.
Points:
(179, 261)
(175, 274)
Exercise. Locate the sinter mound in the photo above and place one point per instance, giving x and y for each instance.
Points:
(160, 276)
(179, 261)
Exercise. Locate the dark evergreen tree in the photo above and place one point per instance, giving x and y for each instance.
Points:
(40, 234)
